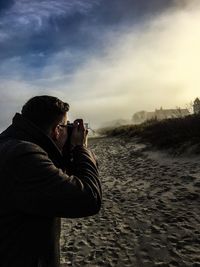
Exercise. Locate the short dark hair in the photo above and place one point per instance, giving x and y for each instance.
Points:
(44, 110)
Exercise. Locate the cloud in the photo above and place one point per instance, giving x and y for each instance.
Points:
(13, 94)
(41, 26)
(155, 65)
(26, 13)
(142, 66)
(49, 26)
(5, 4)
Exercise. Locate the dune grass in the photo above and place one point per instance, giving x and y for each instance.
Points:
(165, 134)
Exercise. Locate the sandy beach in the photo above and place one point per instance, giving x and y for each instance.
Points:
(150, 214)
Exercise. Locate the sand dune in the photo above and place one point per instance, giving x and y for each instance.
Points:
(150, 215)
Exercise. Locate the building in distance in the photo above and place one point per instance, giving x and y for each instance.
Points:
(159, 114)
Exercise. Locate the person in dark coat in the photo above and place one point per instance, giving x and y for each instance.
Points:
(43, 177)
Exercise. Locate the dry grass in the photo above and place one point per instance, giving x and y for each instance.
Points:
(168, 133)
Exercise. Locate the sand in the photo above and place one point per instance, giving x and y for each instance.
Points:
(150, 214)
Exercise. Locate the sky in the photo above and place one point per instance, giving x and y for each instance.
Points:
(107, 58)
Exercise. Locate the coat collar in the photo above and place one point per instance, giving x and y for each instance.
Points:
(25, 130)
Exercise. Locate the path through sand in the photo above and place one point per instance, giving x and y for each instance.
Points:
(150, 214)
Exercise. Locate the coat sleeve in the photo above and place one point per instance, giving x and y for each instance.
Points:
(39, 187)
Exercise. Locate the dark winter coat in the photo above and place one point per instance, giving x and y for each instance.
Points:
(35, 192)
